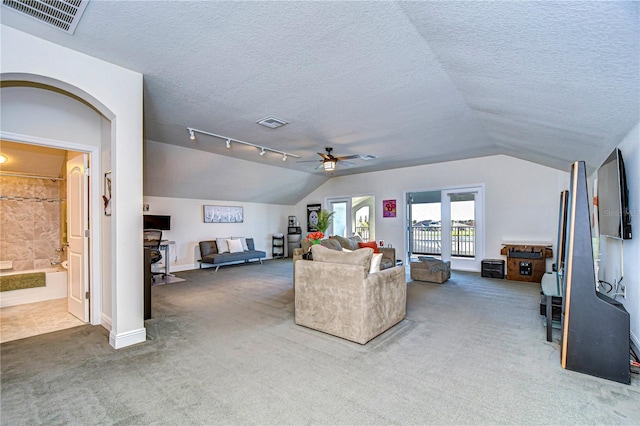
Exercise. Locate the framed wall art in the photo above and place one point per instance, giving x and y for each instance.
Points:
(106, 193)
(389, 208)
(223, 214)
(312, 217)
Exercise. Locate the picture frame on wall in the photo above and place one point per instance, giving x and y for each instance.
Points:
(223, 214)
(106, 193)
(313, 210)
(389, 208)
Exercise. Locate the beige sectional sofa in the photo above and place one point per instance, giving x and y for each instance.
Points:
(336, 294)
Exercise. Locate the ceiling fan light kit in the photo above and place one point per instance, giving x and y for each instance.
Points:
(329, 165)
(329, 161)
(228, 141)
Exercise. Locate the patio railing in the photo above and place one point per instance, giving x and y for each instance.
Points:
(363, 231)
(427, 240)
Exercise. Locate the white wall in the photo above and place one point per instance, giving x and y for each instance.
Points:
(611, 263)
(261, 221)
(117, 94)
(521, 198)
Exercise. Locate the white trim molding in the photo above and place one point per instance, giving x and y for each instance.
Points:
(129, 338)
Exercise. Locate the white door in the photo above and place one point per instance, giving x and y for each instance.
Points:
(77, 224)
(463, 224)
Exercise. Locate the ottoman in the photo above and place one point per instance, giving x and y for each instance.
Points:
(430, 269)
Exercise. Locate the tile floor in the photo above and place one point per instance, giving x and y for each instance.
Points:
(31, 319)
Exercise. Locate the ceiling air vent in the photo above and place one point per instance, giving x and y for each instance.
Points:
(61, 14)
(271, 122)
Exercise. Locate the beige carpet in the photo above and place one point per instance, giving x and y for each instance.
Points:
(223, 349)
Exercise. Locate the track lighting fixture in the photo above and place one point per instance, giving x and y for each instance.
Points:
(228, 140)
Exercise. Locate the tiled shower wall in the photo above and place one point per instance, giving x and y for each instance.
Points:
(30, 225)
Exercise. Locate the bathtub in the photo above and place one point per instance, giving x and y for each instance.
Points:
(56, 288)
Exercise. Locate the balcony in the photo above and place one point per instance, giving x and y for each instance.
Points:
(363, 231)
(427, 240)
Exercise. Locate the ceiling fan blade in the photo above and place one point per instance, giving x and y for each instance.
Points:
(319, 166)
(325, 156)
(348, 157)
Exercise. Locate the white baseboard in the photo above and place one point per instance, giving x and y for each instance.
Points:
(129, 338)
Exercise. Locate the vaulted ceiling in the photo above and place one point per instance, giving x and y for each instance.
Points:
(407, 82)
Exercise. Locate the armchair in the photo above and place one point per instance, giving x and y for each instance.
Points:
(336, 294)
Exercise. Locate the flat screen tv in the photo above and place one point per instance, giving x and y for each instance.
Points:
(614, 217)
(157, 222)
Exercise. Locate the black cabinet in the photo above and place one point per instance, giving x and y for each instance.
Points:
(493, 268)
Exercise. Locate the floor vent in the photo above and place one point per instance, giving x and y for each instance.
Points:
(61, 14)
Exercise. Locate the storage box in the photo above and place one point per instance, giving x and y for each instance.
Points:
(493, 268)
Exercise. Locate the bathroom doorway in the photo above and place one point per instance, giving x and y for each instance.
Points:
(36, 193)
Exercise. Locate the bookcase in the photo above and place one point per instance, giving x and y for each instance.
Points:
(277, 246)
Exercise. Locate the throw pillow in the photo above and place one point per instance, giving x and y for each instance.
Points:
(375, 263)
(370, 244)
(223, 245)
(358, 257)
(331, 243)
(345, 242)
(243, 240)
(235, 246)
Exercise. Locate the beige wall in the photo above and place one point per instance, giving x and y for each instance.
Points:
(29, 221)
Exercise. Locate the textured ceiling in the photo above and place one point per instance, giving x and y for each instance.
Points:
(408, 82)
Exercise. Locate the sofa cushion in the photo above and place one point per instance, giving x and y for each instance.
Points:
(208, 247)
(350, 243)
(235, 246)
(223, 246)
(243, 240)
(371, 245)
(359, 257)
(375, 263)
(331, 243)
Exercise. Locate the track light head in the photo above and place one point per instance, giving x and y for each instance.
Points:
(192, 135)
(284, 157)
(228, 143)
(262, 151)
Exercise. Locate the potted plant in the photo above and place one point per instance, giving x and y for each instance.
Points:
(324, 220)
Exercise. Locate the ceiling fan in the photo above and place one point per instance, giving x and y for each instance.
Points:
(329, 161)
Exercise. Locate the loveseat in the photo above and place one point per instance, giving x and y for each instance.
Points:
(335, 293)
(238, 250)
